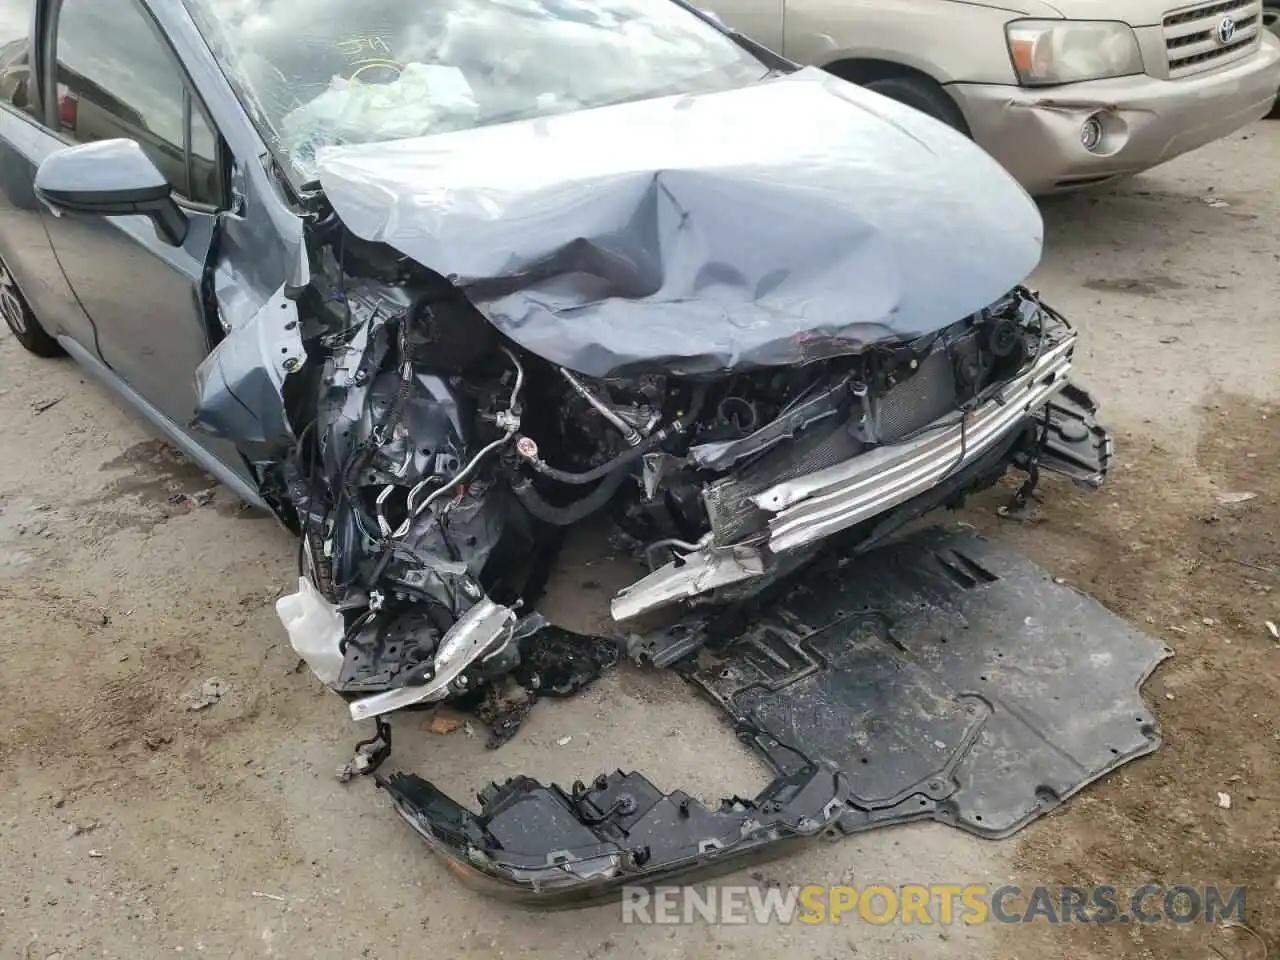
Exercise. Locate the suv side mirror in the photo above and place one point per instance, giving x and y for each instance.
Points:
(111, 178)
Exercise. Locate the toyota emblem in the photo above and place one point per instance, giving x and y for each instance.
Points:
(1226, 30)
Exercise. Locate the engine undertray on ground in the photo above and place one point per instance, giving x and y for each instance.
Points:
(940, 676)
(947, 677)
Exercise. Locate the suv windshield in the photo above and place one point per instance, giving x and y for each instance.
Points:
(322, 72)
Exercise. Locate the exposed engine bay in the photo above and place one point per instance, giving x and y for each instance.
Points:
(431, 466)
(442, 462)
(439, 463)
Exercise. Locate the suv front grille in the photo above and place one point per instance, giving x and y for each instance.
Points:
(1210, 34)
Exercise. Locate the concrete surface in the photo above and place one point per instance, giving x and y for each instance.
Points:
(132, 827)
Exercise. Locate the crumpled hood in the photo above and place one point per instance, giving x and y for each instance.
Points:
(799, 218)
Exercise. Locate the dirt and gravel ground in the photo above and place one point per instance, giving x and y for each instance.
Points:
(131, 826)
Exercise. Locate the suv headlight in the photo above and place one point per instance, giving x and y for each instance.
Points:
(1047, 52)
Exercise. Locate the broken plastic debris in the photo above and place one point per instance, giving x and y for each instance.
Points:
(563, 741)
(201, 498)
(1224, 800)
(207, 694)
(1215, 201)
(357, 766)
(369, 755)
(1273, 629)
(1242, 496)
(443, 723)
(315, 630)
(96, 854)
(1208, 621)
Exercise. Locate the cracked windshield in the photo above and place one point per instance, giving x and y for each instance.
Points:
(324, 73)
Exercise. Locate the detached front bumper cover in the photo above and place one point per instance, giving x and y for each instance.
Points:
(545, 844)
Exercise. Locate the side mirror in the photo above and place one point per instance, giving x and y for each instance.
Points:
(111, 178)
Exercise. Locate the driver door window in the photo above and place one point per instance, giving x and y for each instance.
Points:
(117, 77)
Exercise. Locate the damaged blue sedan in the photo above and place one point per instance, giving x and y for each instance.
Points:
(435, 282)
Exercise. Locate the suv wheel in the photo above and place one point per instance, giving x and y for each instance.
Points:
(26, 328)
(926, 96)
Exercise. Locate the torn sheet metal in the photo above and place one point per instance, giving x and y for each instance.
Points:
(940, 677)
(798, 218)
(240, 384)
(480, 633)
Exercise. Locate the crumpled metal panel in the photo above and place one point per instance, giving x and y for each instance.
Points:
(239, 385)
(798, 218)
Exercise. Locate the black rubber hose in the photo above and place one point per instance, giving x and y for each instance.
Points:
(572, 513)
(631, 454)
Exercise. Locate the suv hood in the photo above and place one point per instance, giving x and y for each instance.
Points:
(1136, 13)
(795, 219)
(1040, 9)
